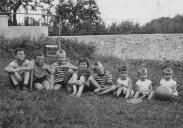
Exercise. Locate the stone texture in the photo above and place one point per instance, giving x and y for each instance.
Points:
(137, 46)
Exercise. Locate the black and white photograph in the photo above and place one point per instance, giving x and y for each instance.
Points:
(91, 63)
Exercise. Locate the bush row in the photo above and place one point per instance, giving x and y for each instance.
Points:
(73, 48)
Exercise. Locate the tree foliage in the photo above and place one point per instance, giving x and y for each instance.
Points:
(78, 17)
(14, 5)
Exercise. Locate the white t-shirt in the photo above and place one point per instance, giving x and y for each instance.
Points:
(170, 84)
(144, 85)
(122, 83)
(14, 64)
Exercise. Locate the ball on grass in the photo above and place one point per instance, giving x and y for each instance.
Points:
(163, 93)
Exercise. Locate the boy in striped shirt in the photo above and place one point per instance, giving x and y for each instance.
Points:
(101, 79)
(61, 71)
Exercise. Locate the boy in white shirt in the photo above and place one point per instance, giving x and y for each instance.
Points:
(124, 84)
(18, 73)
(144, 86)
(168, 81)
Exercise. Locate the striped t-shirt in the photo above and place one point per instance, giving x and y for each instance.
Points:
(103, 80)
(59, 73)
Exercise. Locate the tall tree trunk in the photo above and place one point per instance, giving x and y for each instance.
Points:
(14, 18)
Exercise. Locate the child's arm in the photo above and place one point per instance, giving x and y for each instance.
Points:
(68, 65)
(117, 82)
(30, 66)
(174, 87)
(129, 84)
(138, 89)
(150, 87)
(11, 69)
(109, 80)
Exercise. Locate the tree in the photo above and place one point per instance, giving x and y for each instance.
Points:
(80, 16)
(14, 5)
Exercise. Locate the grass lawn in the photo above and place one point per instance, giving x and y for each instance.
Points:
(44, 109)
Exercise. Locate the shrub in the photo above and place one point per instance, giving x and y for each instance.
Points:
(73, 48)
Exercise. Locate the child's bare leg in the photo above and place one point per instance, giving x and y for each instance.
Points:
(94, 83)
(57, 87)
(119, 90)
(13, 79)
(112, 88)
(150, 95)
(81, 87)
(26, 77)
(128, 91)
(74, 89)
(38, 86)
(73, 79)
(47, 85)
(136, 94)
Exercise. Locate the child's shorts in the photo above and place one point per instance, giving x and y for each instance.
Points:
(145, 92)
(40, 80)
(125, 90)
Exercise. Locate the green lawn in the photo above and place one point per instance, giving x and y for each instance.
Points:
(44, 109)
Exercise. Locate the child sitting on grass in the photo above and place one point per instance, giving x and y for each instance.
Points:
(18, 73)
(124, 84)
(61, 71)
(80, 77)
(100, 79)
(168, 81)
(41, 72)
(144, 86)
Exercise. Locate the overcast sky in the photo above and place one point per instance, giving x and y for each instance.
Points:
(139, 10)
(142, 10)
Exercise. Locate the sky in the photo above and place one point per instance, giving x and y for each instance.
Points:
(141, 11)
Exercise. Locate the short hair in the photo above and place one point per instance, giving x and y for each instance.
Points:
(96, 64)
(18, 50)
(168, 71)
(142, 70)
(84, 60)
(123, 68)
(61, 52)
(37, 53)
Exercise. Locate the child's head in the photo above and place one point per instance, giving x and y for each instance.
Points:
(39, 58)
(83, 63)
(167, 73)
(19, 54)
(61, 56)
(123, 71)
(142, 73)
(98, 68)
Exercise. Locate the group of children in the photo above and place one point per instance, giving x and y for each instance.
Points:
(62, 74)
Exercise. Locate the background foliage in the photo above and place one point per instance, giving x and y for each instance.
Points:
(73, 48)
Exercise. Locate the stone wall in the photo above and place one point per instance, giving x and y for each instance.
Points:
(137, 46)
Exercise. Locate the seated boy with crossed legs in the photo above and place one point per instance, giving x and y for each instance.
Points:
(41, 72)
(100, 79)
(18, 73)
(61, 71)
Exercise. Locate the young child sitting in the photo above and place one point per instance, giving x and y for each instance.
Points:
(41, 72)
(61, 71)
(144, 86)
(80, 77)
(124, 84)
(18, 74)
(168, 81)
(100, 79)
